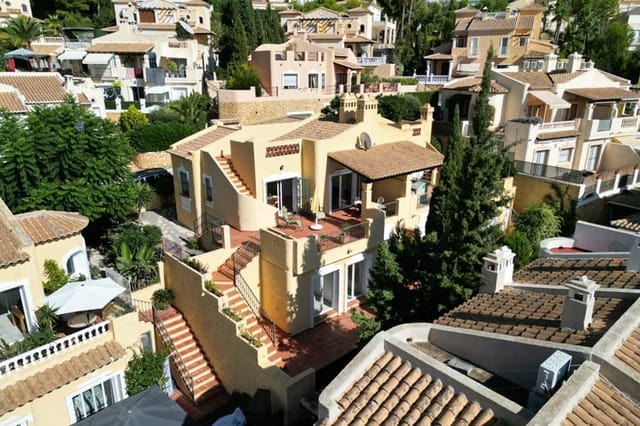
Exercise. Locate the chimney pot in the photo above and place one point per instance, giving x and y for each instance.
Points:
(577, 312)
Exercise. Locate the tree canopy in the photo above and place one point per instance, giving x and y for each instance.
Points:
(65, 158)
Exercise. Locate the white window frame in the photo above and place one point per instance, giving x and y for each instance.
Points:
(18, 421)
(309, 75)
(288, 75)
(364, 260)
(523, 41)
(565, 150)
(120, 392)
(504, 47)
(592, 163)
(207, 183)
(81, 265)
(25, 295)
(318, 278)
(356, 184)
(474, 46)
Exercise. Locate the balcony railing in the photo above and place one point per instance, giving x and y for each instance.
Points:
(371, 61)
(346, 235)
(551, 172)
(559, 125)
(602, 128)
(432, 79)
(49, 350)
(391, 208)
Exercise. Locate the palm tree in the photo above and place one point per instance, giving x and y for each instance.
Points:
(53, 25)
(143, 196)
(20, 32)
(192, 109)
(139, 265)
(47, 317)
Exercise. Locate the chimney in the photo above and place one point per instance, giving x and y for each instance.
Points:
(577, 312)
(367, 109)
(633, 263)
(550, 62)
(575, 61)
(348, 108)
(426, 121)
(497, 270)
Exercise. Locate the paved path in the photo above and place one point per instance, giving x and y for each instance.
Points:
(166, 220)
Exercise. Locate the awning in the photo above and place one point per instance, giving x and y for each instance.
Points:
(156, 90)
(72, 55)
(347, 64)
(388, 160)
(550, 98)
(97, 58)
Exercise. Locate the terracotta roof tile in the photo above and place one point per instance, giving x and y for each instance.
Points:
(606, 272)
(37, 88)
(536, 80)
(12, 239)
(203, 139)
(604, 93)
(563, 77)
(502, 25)
(43, 226)
(388, 160)
(630, 223)
(604, 404)
(120, 48)
(515, 308)
(12, 102)
(40, 384)
(475, 85)
(392, 391)
(629, 351)
(318, 129)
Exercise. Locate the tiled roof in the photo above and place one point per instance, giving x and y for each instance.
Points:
(475, 85)
(12, 239)
(358, 39)
(120, 48)
(563, 77)
(525, 22)
(461, 25)
(203, 139)
(536, 80)
(534, 315)
(605, 272)
(393, 392)
(387, 160)
(325, 36)
(83, 99)
(43, 226)
(438, 55)
(40, 384)
(318, 129)
(629, 351)
(507, 24)
(604, 93)
(37, 88)
(12, 102)
(347, 64)
(630, 223)
(605, 405)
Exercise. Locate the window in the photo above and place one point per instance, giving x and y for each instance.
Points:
(504, 46)
(565, 155)
(345, 188)
(324, 292)
(313, 81)
(593, 156)
(473, 52)
(523, 41)
(526, 65)
(95, 398)
(290, 81)
(355, 279)
(184, 183)
(540, 160)
(208, 189)
(628, 109)
(324, 80)
(461, 42)
(200, 20)
(76, 265)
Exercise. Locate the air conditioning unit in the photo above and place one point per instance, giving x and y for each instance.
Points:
(552, 371)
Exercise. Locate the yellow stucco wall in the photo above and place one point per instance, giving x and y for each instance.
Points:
(536, 189)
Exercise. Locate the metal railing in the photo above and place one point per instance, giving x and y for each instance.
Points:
(208, 224)
(24, 360)
(329, 240)
(175, 355)
(391, 208)
(552, 172)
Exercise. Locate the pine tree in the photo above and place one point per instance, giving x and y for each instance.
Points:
(19, 172)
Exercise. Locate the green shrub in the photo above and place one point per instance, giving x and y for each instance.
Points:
(212, 287)
(159, 136)
(423, 97)
(231, 314)
(524, 248)
(162, 298)
(145, 369)
(253, 340)
(399, 108)
(55, 275)
(132, 119)
(135, 237)
(195, 264)
(242, 77)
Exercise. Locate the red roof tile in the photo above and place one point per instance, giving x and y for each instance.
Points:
(203, 139)
(604, 404)
(629, 351)
(44, 226)
(317, 129)
(37, 88)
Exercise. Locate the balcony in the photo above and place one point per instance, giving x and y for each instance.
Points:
(371, 61)
(434, 80)
(598, 129)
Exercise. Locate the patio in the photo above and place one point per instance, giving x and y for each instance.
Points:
(332, 223)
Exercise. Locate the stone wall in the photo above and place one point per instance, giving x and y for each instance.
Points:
(261, 111)
(150, 160)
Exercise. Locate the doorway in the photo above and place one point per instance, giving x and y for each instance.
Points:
(283, 192)
(345, 188)
(325, 292)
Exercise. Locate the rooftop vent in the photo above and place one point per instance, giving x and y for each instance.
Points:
(550, 373)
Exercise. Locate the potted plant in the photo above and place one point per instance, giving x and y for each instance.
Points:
(343, 234)
(162, 299)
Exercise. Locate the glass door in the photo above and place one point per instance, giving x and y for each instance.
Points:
(283, 193)
(355, 280)
(324, 292)
(345, 188)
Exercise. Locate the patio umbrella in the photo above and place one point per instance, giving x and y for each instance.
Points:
(79, 296)
(150, 407)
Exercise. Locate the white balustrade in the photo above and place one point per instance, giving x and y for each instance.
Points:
(49, 350)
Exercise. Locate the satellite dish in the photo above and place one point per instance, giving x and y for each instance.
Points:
(365, 141)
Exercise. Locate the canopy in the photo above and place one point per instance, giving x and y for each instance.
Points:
(97, 58)
(80, 296)
(550, 98)
(72, 55)
(23, 54)
(151, 407)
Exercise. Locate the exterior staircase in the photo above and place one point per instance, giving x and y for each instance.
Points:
(224, 278)
(227, 167)
(188, 357)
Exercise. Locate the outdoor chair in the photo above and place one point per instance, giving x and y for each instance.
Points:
(289, 219)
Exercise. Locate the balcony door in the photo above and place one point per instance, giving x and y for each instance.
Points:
(540, 161)
(325, 292)
(345, 188)
(14, 318)
(283, 192)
